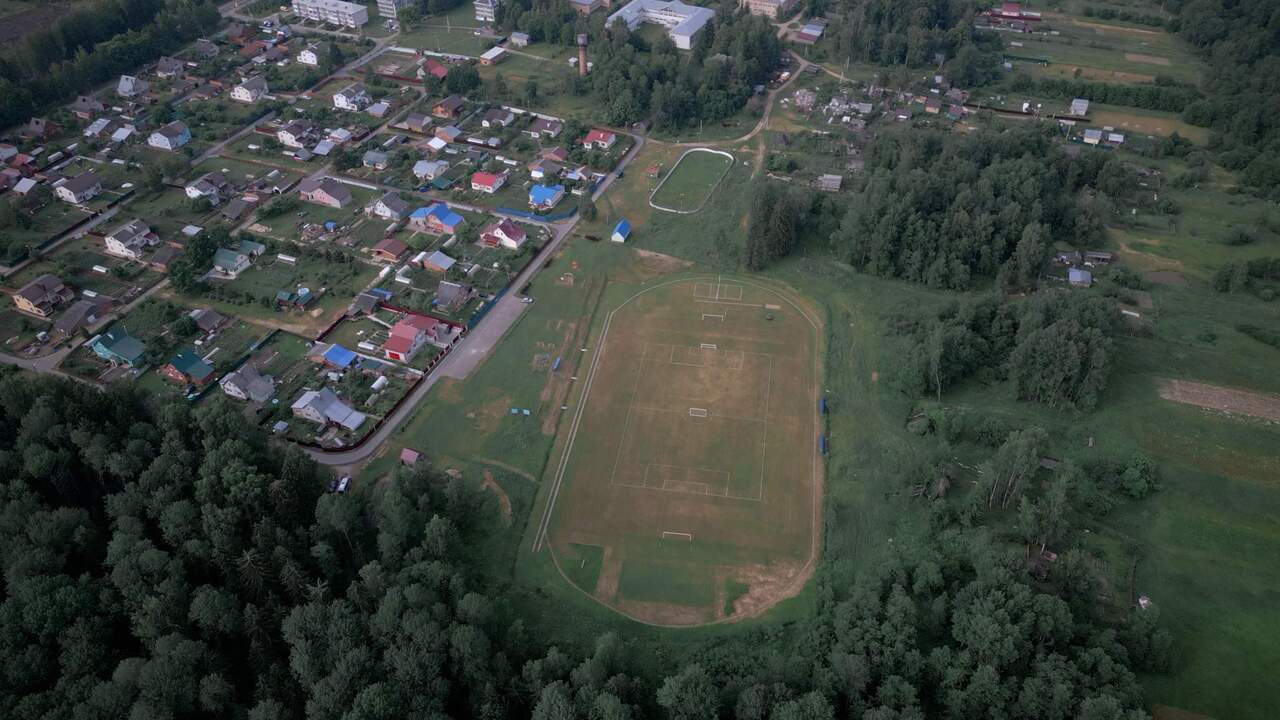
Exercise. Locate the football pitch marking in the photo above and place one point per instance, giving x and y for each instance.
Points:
(709, 316)
(677, 535)
(698, 412)
(796, 580)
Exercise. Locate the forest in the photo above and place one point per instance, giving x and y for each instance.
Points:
(93, 45)
(1240, 42)
(162, 561)
(950, 211)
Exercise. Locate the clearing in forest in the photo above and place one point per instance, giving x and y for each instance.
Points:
(692, 466)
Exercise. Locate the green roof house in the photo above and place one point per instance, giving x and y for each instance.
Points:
(118, 347)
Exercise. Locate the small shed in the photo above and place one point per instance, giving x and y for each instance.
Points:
(621, 231)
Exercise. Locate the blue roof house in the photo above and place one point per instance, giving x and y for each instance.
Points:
(436, 218)
(621, 231)
(545, 197)
(119, 347)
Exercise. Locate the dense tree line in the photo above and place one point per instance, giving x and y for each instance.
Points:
(1131, 16)
(1161, 95)
(1239, 41)
(94, 45)
(635, 81)
(894, 32)
(1053, 347)
(162, 561)
(1259, 275)
(947, 210)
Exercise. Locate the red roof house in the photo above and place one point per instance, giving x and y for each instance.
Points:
(601, 139)
(408, 336)
(504, 233)
(487, 182)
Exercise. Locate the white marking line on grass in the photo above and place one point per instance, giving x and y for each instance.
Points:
(698, 412)
(709, 316)
(708, 346)
(681, 535)
(626, 424)
(727, 302)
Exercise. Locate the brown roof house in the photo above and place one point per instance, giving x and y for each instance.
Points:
(325, 191)
(79, 189)
(42, 296)
(82, 314)
(448, 108)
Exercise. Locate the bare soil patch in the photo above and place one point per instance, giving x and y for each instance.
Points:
(666, 613)
(655, 264)
(1166, 277)
(449, 389)
(486, 418)
(768, 585)
(610, 572)
(1164, 712)
(18, 25)
(504, 501)
(1149, 59)
(1224, 399)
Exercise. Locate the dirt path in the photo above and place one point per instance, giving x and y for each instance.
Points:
(1224, 399)
(508, 468)
(503, 500)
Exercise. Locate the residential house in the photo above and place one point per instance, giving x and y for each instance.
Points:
(545, 170)
(167, 67)
(545, 129)
(130, 86)
(1092, 136)
(487, 182)
(772, 9)
(518, 39)
(79, 189)
(1080, 107)
(438, 262)
(7, 152)
(599, 139)
(430, 169)
(82, 314)
(250, 89)
(297, 299)
(334, 12)
(24, 186)
(314, 54)
(391, 207)
(390, 249)
(933, 105)
(187, 368)
(1097, 257)
(118, 347)
(241, 34)
(353, 97)
(408, 336)
(417, 122)
(230, 263)
(325, 191)
(211, 185)
(503, 233)
(170, 137)
(621, 231)
(296, 134)
(86, 106)
(207, 320)
(436, 218)
(829, 183)
(375, 159)
(448, 108)
(379, 109)
(1079, 277)
(324, 408)
(452, 295)
(38, 128)
(545, 197)
(206, 48)
(555, 154)
(163, 257)
(248, 384)
(447, 134)
(97, 127)
(42, 296)
(434, 69)
(497, 118)
(131, 240)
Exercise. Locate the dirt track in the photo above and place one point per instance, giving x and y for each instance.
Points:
(1224, 399)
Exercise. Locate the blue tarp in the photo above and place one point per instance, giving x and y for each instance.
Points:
(339, 356)
(623, 229)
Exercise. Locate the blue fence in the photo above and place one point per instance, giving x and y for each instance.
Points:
(540, 218)
(484, 310)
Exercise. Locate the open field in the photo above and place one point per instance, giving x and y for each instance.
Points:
(1157, 54)
(695, 462)
(692, 181)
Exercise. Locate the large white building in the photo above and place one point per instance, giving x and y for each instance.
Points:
(391, 8)
(683, 22)
(487, 10)
(336, 12)
(774, 9)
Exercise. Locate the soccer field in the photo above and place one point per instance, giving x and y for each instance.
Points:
(696, 175)
(691, 466)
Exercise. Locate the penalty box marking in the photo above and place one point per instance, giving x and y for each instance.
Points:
(677, 535)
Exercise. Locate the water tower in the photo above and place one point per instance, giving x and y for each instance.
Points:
(582, 55)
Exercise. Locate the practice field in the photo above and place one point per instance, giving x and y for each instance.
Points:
(693, 179)
(691, 466)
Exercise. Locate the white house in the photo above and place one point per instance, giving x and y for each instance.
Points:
(504, 233)
(131, 240)
(79, 189)
(353, 97)
(247, 384)
(683, 22)
(313, 55)
(130, 86)
(250, 89)
(170, 137)
(230, 262)
(211, 185)
(430, 169)
(295, 134)
(324, 408)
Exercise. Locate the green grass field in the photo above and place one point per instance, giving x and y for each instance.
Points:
(692, 181)
(693, 462)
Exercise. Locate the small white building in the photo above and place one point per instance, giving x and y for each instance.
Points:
(250, 89)
(353, 97)
(131, 240)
